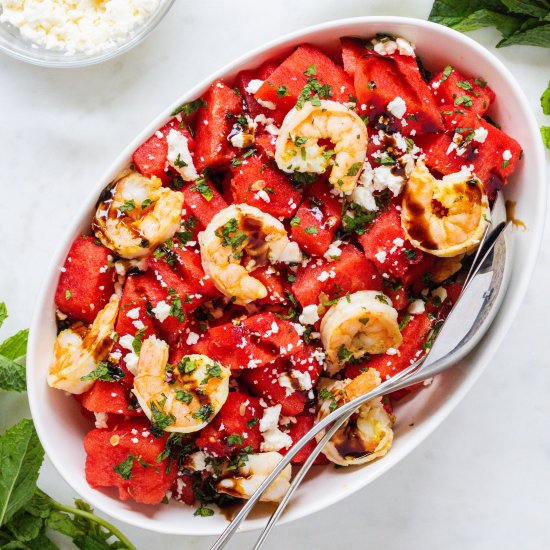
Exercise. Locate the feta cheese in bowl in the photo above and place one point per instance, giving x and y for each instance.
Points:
(75, 33)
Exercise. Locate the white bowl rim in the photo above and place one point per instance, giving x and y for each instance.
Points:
(536, 227)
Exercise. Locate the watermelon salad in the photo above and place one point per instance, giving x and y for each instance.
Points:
(281, 245)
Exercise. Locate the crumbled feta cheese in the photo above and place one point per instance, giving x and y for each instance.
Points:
(480, 134)
(275, 440)
(192, 338)
(161, 311)
(397, 107)
(440, 293)
(179, 156)
(89, 27)
(253, 86)
(262, 194)
(303, 379)
(270, 418)
(309, 315)
(333, 251)
(507, 155)
(291, 253)
(323, 276)
(267, 104)
(417, 307)
(381, 256)
(133, 313)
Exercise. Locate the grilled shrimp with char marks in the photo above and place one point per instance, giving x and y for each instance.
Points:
(444, 217)
(183, 398)
(136, 214)
(78, 349)
(298, 149)
(252, 474)
(239, 239)
(368, 434)
(363, 322)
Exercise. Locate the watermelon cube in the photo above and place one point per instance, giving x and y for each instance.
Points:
(317, 219)
(379, 80)
(350, 272)
(126, 457)
(87, 280)
(257, 183)
(215, 120)
(265, 382)
(449, 87)
(282, 88)
(385, 245)
(202, 201)
(109, 397)
(150, 158)
(297, 428)
(239, 416)
(242, 82)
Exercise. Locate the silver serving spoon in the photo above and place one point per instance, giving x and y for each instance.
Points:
(471, 317)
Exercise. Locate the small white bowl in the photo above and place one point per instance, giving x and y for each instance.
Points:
(12, 43)
(59, 423)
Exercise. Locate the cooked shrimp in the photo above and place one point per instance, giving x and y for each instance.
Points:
(368, 434)
(444, 217)
(239, 239)
(137, 215)
(184, 398)
(298, 150)
(253, 473)
(361, 323)
(78, 350)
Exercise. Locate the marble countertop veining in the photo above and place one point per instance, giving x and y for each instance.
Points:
(481, 481)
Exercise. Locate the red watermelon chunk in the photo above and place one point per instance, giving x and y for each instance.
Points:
(150, 158)
(350, 273)
(256, 341)
(131, 316)
(265, 382)
(468, 94)
(257, 183)
(182, 489)
(380, 79)
(296, 430)
(203, 206)
(386, 246)
(131, 443)
(411, 349)
(317, 219)
(86, 282)
(242, 82)
(353, 50)
(239, 416)
(266, 144)
(109, 397)
(284, 85)
(214, 123)
(275, 283)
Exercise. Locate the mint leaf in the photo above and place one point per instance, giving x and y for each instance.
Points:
(545, 100)
(21, 456)
(545, 133)
(531, 8)
(519, 21)
(536, 36)
(24, 526)
(3, 313)
(87, 542)
(12, 375)
(64, 524)
(15, 346)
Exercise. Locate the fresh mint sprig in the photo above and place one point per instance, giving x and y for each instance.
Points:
(27, 514)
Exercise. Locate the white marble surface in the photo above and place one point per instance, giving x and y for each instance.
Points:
(481, 481)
